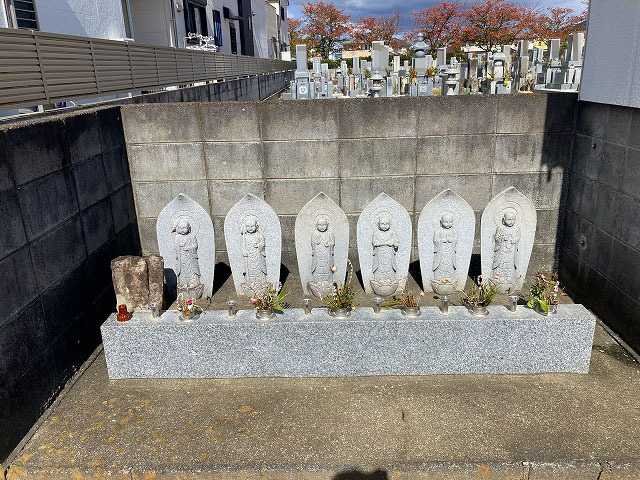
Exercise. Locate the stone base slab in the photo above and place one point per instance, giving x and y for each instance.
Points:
(317, 345)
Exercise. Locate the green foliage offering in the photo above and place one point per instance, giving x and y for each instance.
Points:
(482, 293)
(544, 291)
(407, 299)
(269, 297)
(342, 296)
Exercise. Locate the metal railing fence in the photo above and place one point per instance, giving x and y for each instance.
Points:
(39, 68)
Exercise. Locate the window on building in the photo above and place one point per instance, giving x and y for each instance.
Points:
(22, 14)
(234, 42)
(195, 17)
(217, 27)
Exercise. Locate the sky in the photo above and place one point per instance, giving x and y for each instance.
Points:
(369, 8)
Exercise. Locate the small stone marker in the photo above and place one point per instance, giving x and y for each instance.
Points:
(187, 244)
(138, 281)
(322, 242)
(446, 227)
(384, 246)
(254, 244)
(508, 230)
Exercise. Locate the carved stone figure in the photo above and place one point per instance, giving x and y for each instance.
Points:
(187, 264)
(322, 245)
(253, 252)
(505, 251)
(508, 230)
(253, 237)
(385, 245)
(446, 227)
(187, 244)
(138, 281)
(445, 245)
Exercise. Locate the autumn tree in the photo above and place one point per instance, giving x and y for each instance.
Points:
(440, 24)
(325, 26)
(371, 29)
(557, 22)
(490, 23)
(295, 33)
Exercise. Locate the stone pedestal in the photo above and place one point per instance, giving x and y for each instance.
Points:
(317, 345)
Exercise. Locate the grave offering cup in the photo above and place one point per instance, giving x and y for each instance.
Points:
(479, 310)
(306, 302)
(411, 311)
(123, 314)
(553, 309)
(265, 314)
(155, 309)
(340, 312)
(377, 305)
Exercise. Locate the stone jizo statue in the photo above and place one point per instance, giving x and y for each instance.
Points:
(505, 256)
(445, 247)
(384, 268)
(253, 252)
(187, 264)
(322, 257)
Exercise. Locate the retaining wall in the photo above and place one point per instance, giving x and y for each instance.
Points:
(411, 148)
(600, 258)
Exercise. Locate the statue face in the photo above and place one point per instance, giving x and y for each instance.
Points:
(183, 227)
(250, 225)
(322, 225)
(384, 223)
(509, 218)
(446, 220)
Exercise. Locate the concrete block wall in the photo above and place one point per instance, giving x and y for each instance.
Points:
(600, 259)
(410, 148)
(66, 209)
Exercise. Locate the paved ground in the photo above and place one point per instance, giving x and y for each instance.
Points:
(530, 427)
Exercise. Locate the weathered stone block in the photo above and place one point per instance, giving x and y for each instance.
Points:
(240, 121)
(58, 252)
(40, 212)
(138, 281)
(453, 154)
(230, 160)
(148, 236)
(167, 161)
(296, 345)
(357, 193)
(302, 159)
(116, 167)
(12, 234)
(175, 122)
(97, 224)
(17, 283)
(289, 120)
(391, 156)
(224, 195)
(289, 196)
(456, 115)
(475, 189)
(35, 150)
(532, 153)
(386, 117)
(151, 198)
(82, 135)
(545, 112)
(91, 181)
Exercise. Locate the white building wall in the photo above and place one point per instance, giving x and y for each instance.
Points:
(612, 55)
(86, 18)
(152, 22)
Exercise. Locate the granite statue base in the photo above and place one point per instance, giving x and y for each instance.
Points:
(365, 344)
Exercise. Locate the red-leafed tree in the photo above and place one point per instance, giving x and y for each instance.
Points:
(557, 22)
(295, 33)
(440, 24)
(490, 23)
(325, 26)
(371, 29)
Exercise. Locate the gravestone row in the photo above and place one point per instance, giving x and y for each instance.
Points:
(253, 238)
